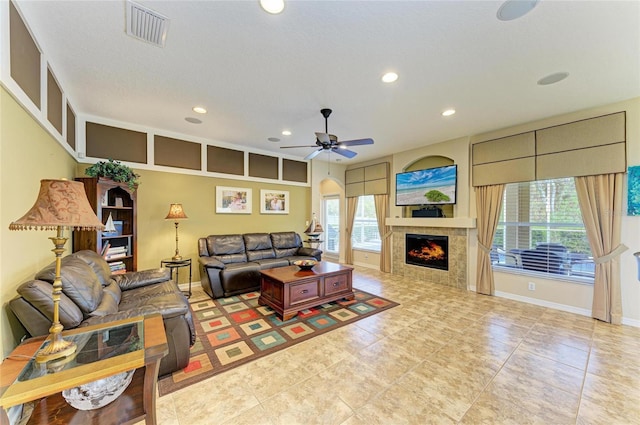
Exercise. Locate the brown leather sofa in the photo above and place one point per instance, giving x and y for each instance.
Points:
(92, 295)
(231, 264)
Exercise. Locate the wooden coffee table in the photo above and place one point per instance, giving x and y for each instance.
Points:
(288, 290)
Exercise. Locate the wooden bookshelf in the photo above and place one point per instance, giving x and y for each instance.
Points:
(116, 199)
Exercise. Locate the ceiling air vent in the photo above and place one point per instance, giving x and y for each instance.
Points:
(146, 25)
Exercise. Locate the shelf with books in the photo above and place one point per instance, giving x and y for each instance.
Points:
(115, 205)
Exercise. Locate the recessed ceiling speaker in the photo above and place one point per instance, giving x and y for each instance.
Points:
(514, 9)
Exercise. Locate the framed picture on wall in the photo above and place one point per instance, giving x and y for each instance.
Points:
(274, 201)
(633, 186)
(233, 200)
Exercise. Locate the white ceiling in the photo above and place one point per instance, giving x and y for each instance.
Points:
(258, 74)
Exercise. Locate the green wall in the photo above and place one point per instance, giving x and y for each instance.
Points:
(27, 154)
(156, 236)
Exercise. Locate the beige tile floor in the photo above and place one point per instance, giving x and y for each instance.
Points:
(444, 356)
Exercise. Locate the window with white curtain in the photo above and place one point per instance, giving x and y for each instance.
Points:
(541, 231)
(365, 234)
(331, 220)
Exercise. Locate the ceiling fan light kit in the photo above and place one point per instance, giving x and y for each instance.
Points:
(329, 142)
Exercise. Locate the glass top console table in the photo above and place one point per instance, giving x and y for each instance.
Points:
(102, 351)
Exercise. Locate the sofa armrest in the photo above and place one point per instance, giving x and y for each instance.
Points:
(209, 262)
(132, 280)
(310, 252)
(120, 315)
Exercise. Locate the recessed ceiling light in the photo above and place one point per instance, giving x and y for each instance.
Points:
(514, 9)
(448, 112)
(272, 6)
(286, 133)
(273, 139)
(199, 110)
(389, 77)
(193, 120)
(553, 78)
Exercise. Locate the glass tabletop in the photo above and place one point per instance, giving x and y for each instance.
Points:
(92, 346)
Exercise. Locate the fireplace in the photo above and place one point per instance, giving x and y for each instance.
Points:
(427, 251)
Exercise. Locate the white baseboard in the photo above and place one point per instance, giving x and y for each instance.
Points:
(631, 322)
(368, 266)
(562, 307)
(544, 303)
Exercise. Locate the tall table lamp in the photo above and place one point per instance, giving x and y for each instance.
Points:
(61, 205)
(176, 213)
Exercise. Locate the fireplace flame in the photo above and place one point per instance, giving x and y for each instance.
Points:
(431, 251)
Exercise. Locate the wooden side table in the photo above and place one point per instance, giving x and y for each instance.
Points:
(103, 350)
(172, 264)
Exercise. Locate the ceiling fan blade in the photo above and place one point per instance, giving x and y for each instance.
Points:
(323, 137)
(357, 142)
(300, 146)
(313, 154)
(344, 152)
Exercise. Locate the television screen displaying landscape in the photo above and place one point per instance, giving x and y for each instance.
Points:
(433, 186)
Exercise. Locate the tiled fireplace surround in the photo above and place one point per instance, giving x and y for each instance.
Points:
(456, 276)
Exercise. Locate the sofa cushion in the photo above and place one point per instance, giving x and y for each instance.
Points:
(286, 244)
(271, 263)
(227, 248)
(162, 298)
(107, 306)
(114, 290)
(79, 282)
(99, 266)
(258, 246)
(110, 301)
(38, 294)
(243, 277)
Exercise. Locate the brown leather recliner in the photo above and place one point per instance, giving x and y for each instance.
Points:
(92, 295)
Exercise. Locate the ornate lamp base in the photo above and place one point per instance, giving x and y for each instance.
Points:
(56, 349)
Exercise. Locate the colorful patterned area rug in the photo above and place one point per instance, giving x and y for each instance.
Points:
(236, 330)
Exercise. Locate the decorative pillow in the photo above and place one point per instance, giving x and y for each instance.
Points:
(79, 282)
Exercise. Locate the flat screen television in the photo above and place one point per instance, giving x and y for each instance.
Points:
(432, 186)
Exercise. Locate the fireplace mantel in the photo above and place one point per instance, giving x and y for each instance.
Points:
(456, 222)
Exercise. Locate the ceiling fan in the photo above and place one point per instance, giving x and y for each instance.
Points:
(329, 142)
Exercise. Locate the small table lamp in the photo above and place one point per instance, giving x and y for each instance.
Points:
(61, 204)
(176, 213)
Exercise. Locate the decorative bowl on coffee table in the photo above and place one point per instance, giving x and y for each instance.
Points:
(305, 264)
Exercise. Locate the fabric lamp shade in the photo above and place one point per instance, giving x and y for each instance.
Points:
(60, 203)
(176, 213)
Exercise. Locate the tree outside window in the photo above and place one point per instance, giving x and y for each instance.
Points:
(365, 233)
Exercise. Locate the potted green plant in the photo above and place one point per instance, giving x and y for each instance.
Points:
(115, 171)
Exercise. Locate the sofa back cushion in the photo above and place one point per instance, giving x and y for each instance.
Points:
(227, 248)
(110, 301)
(79, 282)
(98, 264)
(286, 244)
(38, 294)
(258, 246)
